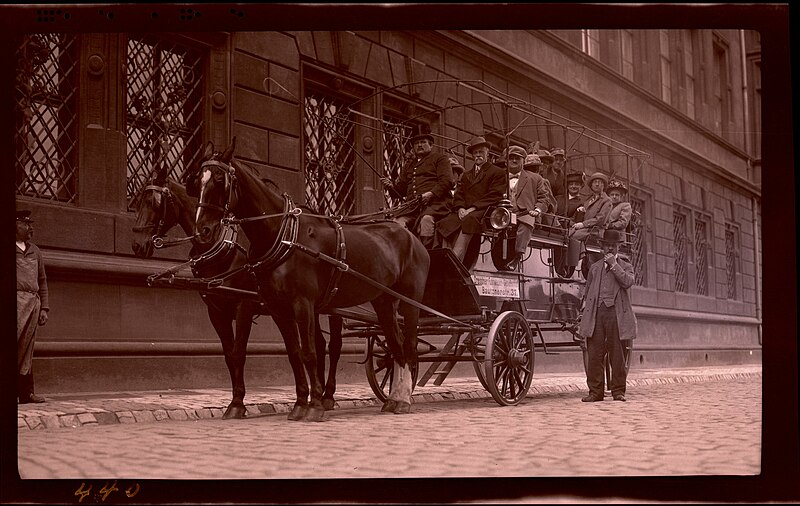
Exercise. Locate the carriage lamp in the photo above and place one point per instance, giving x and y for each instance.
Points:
(500, 217)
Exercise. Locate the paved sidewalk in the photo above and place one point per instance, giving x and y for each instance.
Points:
(102, 408)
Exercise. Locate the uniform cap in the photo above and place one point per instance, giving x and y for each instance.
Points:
(24, 216)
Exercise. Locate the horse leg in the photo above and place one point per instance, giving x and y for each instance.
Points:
(334, 352)
(288, 329)
(221, 321)
(244, 324)
(306, 321)
(319, 347)
(386, 311)
(410, 316)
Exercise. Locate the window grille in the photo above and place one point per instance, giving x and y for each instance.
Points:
(46, 117)
(164, 108)
(730, 262)
(680, 250)
(701, 254)
(396, 143)
(638, 253)
(329, 133)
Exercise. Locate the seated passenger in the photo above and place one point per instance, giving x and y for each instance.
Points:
(620, 215)
(550, 171)
(427, 175)
(595, 210)
(568, 204)
(533, 164)
(480, 187)
(530, 197)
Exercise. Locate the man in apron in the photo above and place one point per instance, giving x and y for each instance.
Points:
(32, 305)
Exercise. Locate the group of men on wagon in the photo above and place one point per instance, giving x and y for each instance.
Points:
(453, 202)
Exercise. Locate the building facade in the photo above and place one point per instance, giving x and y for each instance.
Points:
(319, 113)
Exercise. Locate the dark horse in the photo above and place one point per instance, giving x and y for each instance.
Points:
(294, 253)
(163, 204)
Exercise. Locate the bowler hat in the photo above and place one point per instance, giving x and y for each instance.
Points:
(612, 236)
(597, 175)
(25, 216)
(421, 131)
(476, 143)
(616, 185)
(517, 151)
(575, 176)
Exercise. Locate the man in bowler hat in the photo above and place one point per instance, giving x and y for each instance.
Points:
(33, 304)
(429, 176)
(607, 318)
(480, 187)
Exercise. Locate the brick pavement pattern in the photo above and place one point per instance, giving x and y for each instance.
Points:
(671, 426)
(75, 410)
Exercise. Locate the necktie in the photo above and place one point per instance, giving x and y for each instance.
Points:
(477, 170)
(513, 176)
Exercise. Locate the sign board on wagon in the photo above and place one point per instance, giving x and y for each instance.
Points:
(496, 286)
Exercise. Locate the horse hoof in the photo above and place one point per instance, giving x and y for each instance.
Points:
(314, 415)
(235, 412)
(328, 404)
(389, 406)
(402, 408)
(297, 413)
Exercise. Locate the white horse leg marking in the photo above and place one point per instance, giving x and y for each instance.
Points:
(404, 383)
(395, 385)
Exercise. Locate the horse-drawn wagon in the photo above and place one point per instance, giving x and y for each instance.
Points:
(301, 265)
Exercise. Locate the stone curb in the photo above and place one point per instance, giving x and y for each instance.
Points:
(103, 417)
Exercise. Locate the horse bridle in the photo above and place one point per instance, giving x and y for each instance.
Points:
(230, 185)
(166, 202)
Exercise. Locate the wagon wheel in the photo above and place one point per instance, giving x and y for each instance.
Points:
(509, 361)
(477, 347)
(380, 366)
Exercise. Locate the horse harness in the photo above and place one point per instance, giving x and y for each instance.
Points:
(286, 238)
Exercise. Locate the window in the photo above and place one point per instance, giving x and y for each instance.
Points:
(720, 85)
(666, 67)
(329, 140)
(688, 67)
(638, 253)
(701, 253)
(626, 50)
(590, 43)
(755, 121)
(164, 108)
(730, 261)
(680, 248)
(46, 117)
(396, 143)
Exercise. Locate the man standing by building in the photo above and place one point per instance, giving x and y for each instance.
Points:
(427, 175)
(608, 318)
(33, 305)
